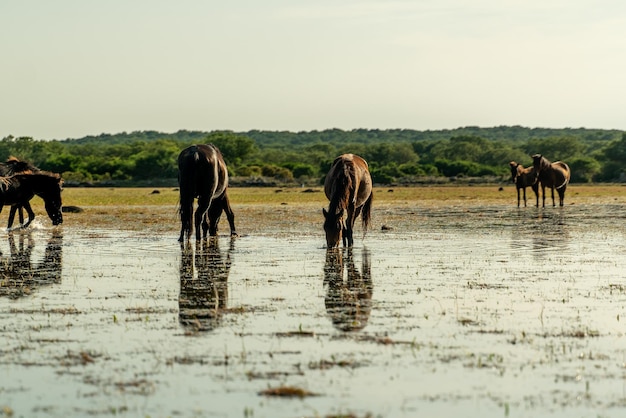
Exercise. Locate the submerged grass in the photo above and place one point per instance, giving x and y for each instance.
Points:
(287, 392)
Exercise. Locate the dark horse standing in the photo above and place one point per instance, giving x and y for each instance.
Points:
(553, 175)
(19, 189)
(14, 166)
(202, 174)
(523, 178)
(348, 186)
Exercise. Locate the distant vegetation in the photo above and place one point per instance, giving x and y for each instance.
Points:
(396, 156)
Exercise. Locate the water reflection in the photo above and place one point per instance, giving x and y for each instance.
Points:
(542, 234)
(18, 276)
(203, 284)
(348, 302)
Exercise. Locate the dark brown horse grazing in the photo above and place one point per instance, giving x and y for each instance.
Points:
(14, 166)
(348, 186)
(523, 178)
(19, 189)
(553, 175)
(202, 174)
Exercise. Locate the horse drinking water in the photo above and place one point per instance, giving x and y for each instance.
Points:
(348, 187)
(17, 190)
(14, 166)
(553, 175)
(202, 174)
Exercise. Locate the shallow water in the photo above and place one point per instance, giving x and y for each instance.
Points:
(487, 311)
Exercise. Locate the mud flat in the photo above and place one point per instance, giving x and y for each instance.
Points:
(457, 307)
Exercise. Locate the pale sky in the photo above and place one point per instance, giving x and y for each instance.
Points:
(72, 68)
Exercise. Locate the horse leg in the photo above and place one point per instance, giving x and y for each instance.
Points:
(561, 195)
(31, 214)
(12, 216)
(205, 224)
(535, 188)
(186, 217)
(543, 195)
(214, 213)
(230, 216)
(349, 229)
(518, 198)
(524, 190)
(199, 216)
(552, 194)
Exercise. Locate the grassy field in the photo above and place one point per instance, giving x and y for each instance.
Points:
(156, 209)
(270, 195)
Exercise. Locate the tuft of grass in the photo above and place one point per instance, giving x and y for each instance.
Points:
(287, 392)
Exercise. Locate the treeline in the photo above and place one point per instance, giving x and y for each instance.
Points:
(396, 156)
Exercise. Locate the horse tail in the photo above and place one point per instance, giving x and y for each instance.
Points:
(187, 161)
(566, 173)
(366, 213)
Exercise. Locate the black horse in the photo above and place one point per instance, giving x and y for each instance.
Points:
(19, 189)
(11, 167)
(202, 174)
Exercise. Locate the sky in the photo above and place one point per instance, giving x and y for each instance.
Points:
(72, 68)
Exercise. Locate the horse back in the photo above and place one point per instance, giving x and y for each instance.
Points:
(349, 171)
(201, 169)
(564, 168)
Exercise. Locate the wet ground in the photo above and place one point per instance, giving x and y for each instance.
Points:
(467, 310)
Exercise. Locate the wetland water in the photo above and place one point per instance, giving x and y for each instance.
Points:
(489, 311)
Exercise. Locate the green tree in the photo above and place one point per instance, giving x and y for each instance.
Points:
(558, 148)
(584, 169)
(235, 148)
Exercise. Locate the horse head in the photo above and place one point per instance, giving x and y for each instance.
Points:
(540, 163)
(514, 170)
(333, 225)
(52, 199)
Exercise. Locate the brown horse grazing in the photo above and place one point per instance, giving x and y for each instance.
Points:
(202, 174)
(553, 175)
(14, 166)
(348, 302)
(348, 187)
(523, 178)
(19, 189)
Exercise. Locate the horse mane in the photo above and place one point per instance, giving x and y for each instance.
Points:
(4, 184)
(540, 162)
(46, 174)
(341, 193)
(14, 165)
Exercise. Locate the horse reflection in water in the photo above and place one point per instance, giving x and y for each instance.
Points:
(203, 284)
(18, 276)
(348, 302)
